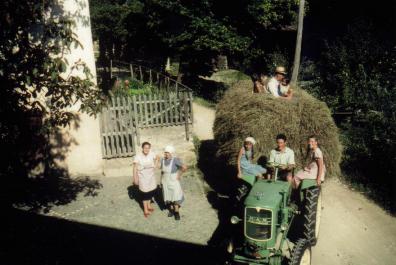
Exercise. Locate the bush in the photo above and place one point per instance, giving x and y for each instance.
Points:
(209, 90)
(357, 74)
(130, 87)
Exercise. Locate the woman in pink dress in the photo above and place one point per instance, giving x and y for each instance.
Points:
(315, 168)
(144, 166)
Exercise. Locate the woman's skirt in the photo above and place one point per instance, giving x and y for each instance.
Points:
(147, 196)
(252, 170)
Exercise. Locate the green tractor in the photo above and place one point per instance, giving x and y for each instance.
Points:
(269, 215)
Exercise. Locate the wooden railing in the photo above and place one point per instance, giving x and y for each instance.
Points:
(124, 116)
(146, 75)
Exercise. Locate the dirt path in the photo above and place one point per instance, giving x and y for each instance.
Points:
(111, 225)
(113, 208)
(353, 229)
(203, 122)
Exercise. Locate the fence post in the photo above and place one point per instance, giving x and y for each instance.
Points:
(102, 132)
(186, 115)
(151, 80)
(135, 117)
(141, 73)
(190, 105)
(111, 69)
(129, 109)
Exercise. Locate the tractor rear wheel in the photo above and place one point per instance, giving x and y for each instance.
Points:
(301, 254)
(312, 215)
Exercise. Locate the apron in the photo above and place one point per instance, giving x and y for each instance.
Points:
(147, 181)
(170, 184)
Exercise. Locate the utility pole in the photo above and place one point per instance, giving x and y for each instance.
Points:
(297, 53)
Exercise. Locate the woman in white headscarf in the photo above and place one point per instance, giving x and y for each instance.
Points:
(171, 169)
(245, 160)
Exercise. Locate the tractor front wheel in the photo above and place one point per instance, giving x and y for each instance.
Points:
(312, 214)
(301, 254)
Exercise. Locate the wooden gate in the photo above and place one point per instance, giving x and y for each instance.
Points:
(123, 118)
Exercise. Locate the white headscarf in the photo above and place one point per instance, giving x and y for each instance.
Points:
(169, 149)
(250, 140)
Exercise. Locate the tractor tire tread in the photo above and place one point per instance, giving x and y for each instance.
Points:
(301, 245)
(310, 212)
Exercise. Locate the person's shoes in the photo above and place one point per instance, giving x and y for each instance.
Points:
(177, 216)
(170, 213)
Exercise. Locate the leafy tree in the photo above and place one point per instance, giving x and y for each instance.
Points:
(357, 74)
(109, 26)
(197, 30)
(37, 90)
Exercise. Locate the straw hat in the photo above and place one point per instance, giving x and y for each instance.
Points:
(280, 70)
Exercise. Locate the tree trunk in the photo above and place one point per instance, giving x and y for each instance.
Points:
(297, 53)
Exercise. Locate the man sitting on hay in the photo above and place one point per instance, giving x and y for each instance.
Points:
(278, 85)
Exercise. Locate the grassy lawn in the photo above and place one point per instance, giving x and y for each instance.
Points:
(228, 77)
(204, 102)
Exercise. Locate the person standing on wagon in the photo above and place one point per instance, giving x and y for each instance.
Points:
(144, 166)
(172, 169)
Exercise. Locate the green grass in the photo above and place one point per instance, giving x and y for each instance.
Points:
(204, 102)
(174, 68)
(197, 144)
(134, 87)
(229, 76)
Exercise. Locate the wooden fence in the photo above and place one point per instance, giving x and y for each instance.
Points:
(118, 131)
(169, 104)
(146, 75)
(123, 118)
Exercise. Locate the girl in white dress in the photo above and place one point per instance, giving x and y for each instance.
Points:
(171, 170)
(144, 166)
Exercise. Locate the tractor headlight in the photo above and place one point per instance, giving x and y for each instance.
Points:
(235, 220)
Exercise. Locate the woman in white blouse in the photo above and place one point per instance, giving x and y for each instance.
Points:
(315, 168)
(144, 166)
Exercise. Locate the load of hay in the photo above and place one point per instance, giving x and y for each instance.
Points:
(240, 114)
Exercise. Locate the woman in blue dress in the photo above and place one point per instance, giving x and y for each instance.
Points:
(245, 158)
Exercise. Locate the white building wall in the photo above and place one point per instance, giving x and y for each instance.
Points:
(84, 157)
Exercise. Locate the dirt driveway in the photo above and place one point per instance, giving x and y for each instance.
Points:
(354, 231)
(110, 228)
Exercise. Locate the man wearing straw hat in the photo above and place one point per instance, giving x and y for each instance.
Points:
(276, 85)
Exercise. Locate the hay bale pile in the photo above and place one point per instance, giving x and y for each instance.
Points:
(240, 114)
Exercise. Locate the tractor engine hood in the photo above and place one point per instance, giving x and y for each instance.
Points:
(261, 216)
(267, 194)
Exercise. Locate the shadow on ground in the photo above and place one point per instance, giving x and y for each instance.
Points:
(34, 175)
(224, 184)
(29, 238)
(223, 181)
(135, 194)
